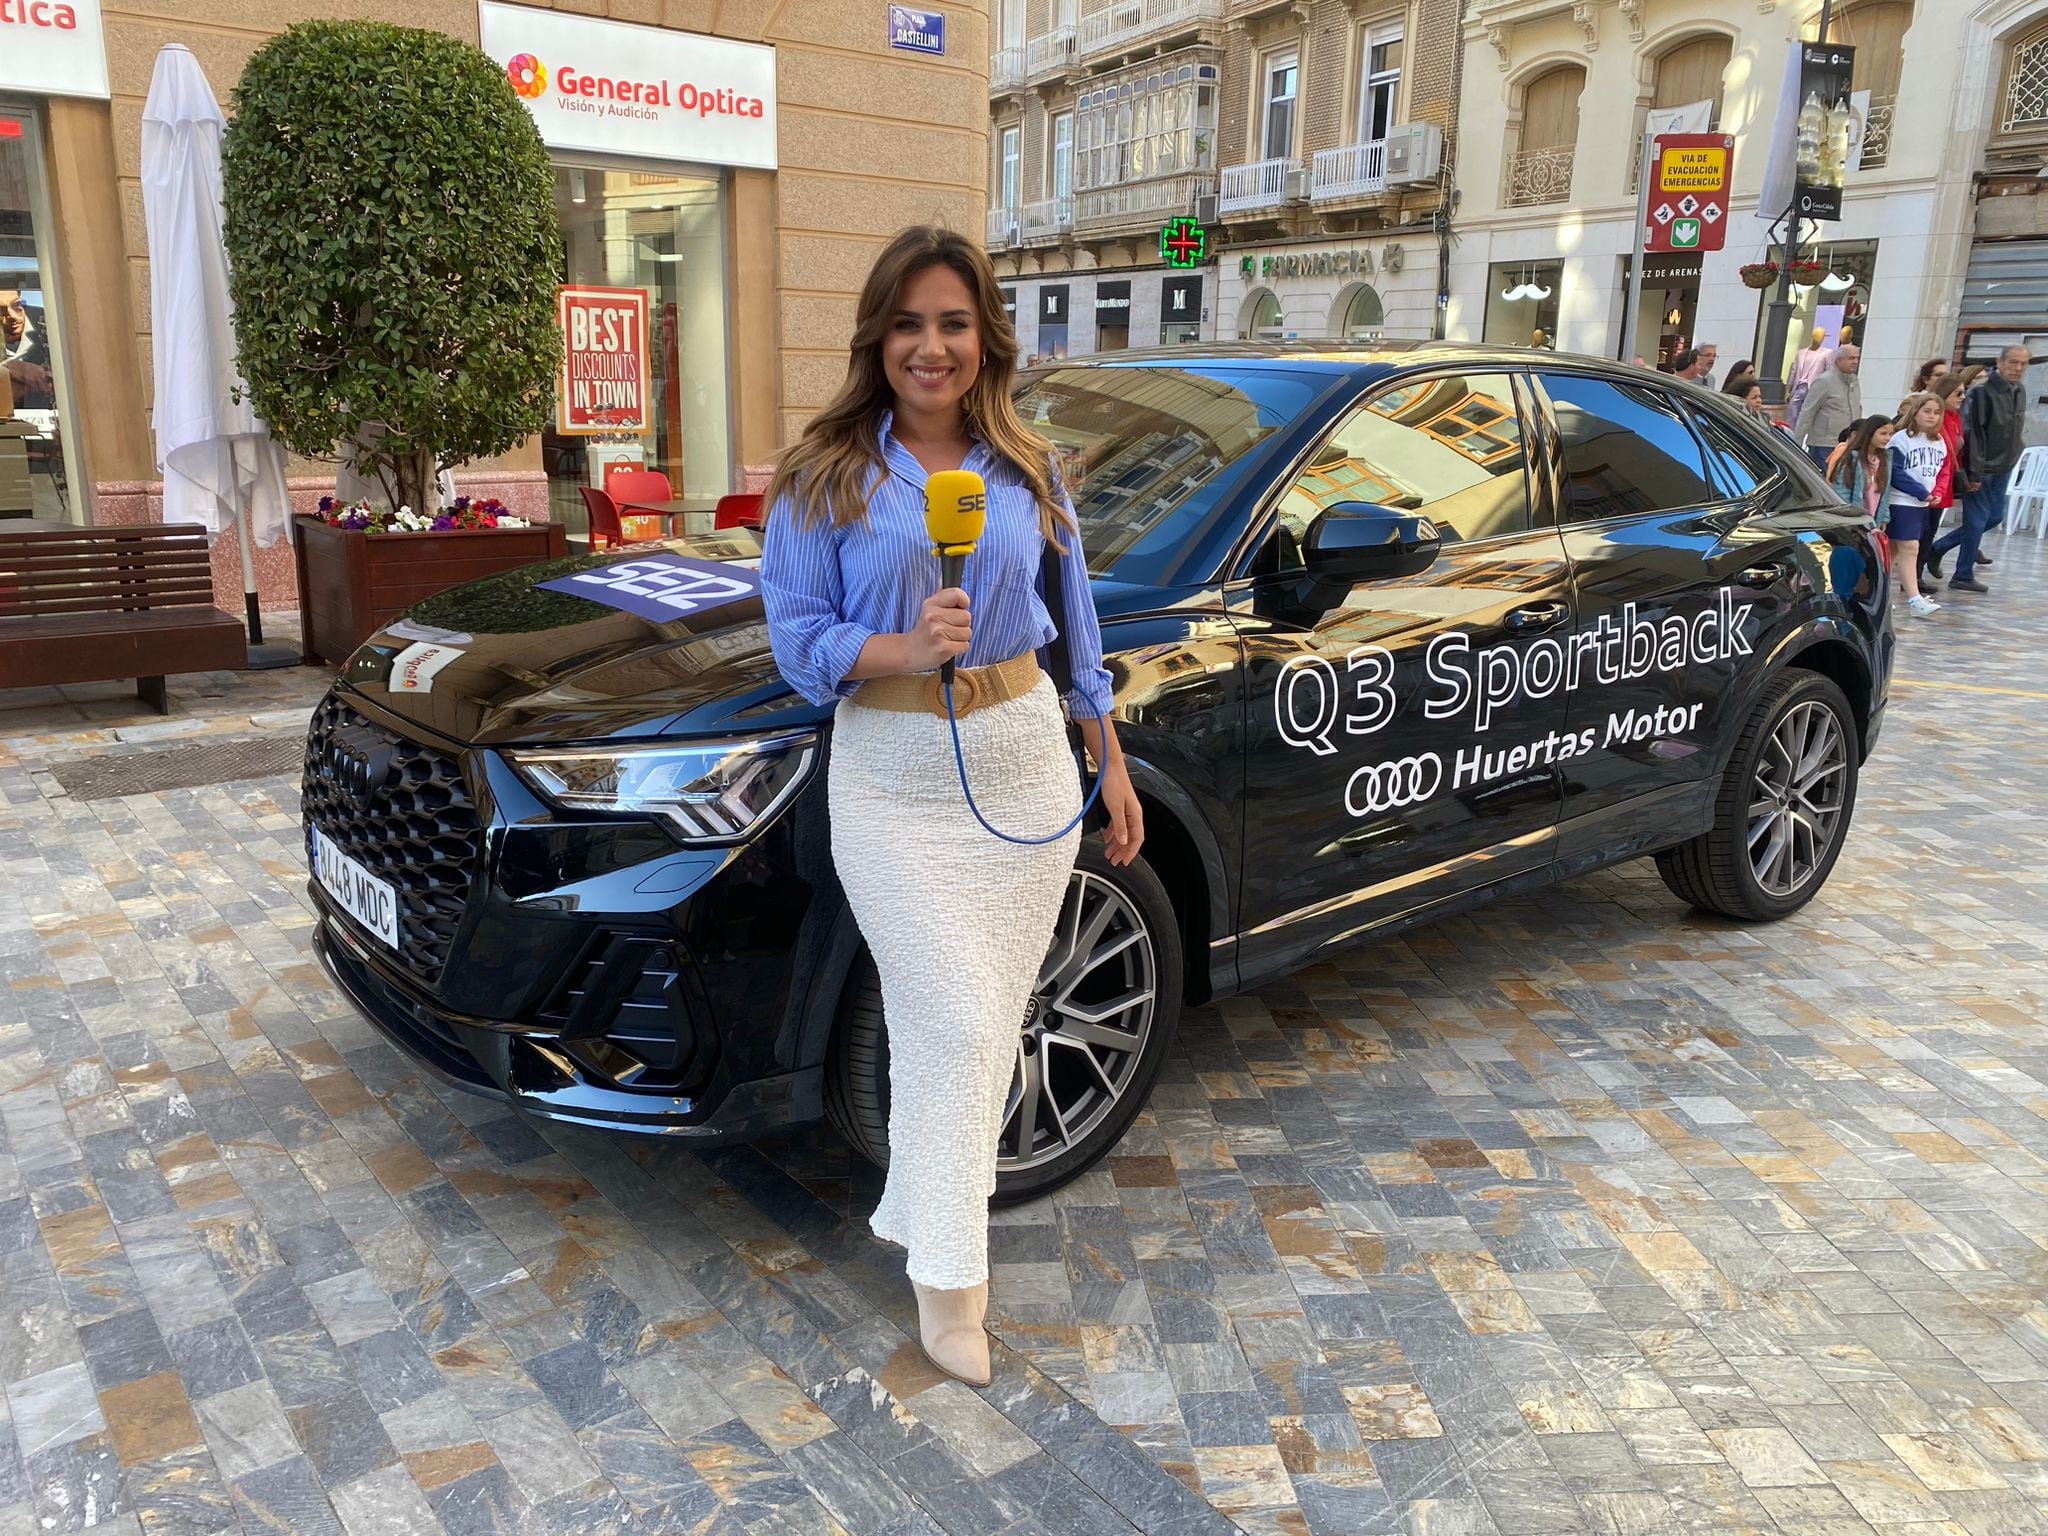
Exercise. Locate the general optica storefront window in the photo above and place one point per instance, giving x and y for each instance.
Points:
(660, 233)
(35, 427)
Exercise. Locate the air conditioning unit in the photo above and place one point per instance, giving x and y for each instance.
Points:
(1415, 152)
(1297, 187)
(1205, 209)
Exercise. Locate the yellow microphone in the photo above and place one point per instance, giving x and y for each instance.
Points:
(955, 511)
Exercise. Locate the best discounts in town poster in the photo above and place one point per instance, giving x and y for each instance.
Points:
(604, 387)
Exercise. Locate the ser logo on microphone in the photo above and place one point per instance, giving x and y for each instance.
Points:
(974, 501)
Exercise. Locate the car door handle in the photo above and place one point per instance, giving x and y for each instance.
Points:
(1762, 576)
(1538, 617)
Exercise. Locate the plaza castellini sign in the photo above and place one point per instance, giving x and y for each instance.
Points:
(53, 47)
(617, 89)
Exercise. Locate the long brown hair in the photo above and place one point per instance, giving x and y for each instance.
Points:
(825, 475)
(1945, 385)
(1910, 407)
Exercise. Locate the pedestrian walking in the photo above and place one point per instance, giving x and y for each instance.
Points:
(1948, 389)
(1695, 365)
(1917, 454)
(1861, 471)
(958, 920)
(1747, 389)
(1835, 400)
(1994, 432)
(1930, 370)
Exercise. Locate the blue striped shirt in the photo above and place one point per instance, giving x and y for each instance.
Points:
(828, 588)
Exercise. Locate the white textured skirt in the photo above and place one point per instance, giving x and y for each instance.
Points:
(959, 923)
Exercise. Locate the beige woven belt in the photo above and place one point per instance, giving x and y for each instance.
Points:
(973, 688)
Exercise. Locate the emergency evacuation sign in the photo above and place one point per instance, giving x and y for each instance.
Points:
(1689, 180)
(604, 385)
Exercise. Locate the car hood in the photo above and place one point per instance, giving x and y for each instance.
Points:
(507, 660)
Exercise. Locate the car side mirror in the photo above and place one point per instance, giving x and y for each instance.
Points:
(1360, 541)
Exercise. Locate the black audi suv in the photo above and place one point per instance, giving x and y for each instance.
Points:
(1394, 632)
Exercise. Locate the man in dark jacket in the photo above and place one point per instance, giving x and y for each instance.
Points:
(1994, 428)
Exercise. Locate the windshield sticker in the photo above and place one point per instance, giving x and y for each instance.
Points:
(1315, 707)
(661, 586)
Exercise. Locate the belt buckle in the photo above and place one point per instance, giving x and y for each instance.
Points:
(966, 694)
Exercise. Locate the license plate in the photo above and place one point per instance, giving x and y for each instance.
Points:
(369, 900)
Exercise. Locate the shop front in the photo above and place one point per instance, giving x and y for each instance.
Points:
(1112, 314)
(1079, 313)
(47, 51)
(1830, 300)
(1351, 292)
(1522, 302)
(1667, 313)
(645, 127)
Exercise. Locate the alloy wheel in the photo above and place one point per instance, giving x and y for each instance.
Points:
(1085, 1028)
(1796, 802)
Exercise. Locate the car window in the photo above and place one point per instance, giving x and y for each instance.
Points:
(1149, 454)
(1627, 449)
(1450, 447)
(1742, 465)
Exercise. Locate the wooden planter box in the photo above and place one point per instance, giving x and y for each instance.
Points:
(351, 583)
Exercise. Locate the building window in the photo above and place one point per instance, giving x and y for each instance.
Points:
(2025, 108)
(1260, 318)
(1540, 169)
(1063, 155)
(37, 430)
(1282, 74)
(1692, 72)
(1158, 121)
(1012, 140)
(1521, 303)
(1380, 99)
(1876, 29)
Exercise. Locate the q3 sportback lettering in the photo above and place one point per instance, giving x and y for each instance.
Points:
(1394, 632)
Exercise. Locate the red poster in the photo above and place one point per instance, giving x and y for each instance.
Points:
(604, 385)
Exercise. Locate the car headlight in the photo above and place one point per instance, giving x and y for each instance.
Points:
(711, 792)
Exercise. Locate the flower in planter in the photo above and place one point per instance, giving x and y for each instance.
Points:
(464, 515)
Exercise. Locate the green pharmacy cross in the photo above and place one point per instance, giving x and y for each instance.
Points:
(1183, 243)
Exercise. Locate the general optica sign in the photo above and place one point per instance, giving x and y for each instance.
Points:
(604, 385)
(649, 92)
(53, 48)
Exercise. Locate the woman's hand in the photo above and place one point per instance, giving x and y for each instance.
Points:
(942, 631)
(1126, 831)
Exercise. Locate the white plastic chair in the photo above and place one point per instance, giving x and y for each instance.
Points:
(2026, 495)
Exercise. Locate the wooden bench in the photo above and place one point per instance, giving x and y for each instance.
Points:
(90, 605)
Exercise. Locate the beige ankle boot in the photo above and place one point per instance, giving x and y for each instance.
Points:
(950, 1325)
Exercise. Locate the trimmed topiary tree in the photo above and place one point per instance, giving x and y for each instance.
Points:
(393, 247)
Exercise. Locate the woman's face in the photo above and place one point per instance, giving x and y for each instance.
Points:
(1753, 397)
(932, 351)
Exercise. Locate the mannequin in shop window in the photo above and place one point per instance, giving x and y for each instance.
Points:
(1810, 364)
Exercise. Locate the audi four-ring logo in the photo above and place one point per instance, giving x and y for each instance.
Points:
(355, 765)
(1392, 785)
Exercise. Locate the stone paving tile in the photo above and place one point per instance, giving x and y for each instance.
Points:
(1580, 1213)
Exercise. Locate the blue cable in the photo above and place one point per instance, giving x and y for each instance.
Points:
(960, 760)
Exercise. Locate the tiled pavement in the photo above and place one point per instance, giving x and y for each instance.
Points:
(1578, 1214)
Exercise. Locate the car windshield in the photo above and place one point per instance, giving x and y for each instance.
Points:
(1151, 454)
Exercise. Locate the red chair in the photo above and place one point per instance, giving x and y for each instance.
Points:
(606, 531)
(626, 486)
(737, 512)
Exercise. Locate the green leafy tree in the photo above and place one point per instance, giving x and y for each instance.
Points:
(394, 250)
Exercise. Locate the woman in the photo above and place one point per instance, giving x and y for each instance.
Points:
(1930, 370)
(1917, 455)
(1749, 390)
(1861, 472)
(1948, 389)
(854, 615)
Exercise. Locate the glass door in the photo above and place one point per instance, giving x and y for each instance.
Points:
(38, 451)
(658, 232)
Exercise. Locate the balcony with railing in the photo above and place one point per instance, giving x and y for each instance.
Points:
(1050, 56)
(1044, 222)
(1137, 204)
(1355, 170)
(1257, 186)
(1877, 134)
(1006, 70)
(1128, 24)
(1002, 228)
(1538, 176)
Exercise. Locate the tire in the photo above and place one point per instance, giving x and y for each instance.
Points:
(1742, 868)
(857, 1069)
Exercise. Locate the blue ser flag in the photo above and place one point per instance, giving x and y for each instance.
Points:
(661, 586)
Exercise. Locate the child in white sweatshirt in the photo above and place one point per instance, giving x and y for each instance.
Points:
(1918, 453)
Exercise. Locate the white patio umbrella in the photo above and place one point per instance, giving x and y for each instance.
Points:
(219, 463)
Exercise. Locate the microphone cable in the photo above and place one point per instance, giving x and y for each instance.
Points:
(960, 761)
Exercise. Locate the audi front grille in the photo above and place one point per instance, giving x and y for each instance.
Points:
(403, 811)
